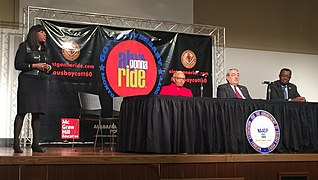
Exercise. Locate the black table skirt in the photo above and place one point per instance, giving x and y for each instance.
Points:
(164, 124)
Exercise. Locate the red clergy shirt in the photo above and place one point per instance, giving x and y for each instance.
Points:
(173, 90)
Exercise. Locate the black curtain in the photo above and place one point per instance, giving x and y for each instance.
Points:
(161, 124)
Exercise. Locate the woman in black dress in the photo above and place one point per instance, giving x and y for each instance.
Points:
(32, 60)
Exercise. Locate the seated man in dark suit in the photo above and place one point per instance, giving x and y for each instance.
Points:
(232, 89)
(282, 89)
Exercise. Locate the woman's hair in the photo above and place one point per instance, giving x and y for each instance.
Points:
(32, 37)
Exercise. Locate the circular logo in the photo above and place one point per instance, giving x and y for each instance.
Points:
(131, 69)
(130, 65)
(262, 131)
(188, 59)
(70, 51)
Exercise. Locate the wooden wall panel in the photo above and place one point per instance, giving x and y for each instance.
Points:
(109, 172)
(9, 172)
(217, 170)
(259, 171)
(34, 172)
(9, 13)
(286, 26)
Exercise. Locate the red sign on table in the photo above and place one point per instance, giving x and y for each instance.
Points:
(69, 128)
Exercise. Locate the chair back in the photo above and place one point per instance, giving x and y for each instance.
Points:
(116, 105)
(90, 104)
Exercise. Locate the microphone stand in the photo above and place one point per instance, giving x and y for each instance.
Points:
(269, 91)
(201, 81)
(201, 86)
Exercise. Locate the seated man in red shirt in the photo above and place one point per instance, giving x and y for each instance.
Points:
(176, 88)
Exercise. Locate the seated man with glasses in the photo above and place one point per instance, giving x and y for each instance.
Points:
(176, 87)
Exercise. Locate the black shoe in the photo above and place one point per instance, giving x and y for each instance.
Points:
(38, 149)
(17, 150)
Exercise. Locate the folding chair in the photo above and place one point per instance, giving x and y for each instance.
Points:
(91, 110)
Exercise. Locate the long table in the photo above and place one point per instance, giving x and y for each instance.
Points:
(165, 124)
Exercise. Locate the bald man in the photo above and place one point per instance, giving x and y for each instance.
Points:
(176, 87)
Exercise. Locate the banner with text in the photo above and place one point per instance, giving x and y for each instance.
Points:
(114, 61)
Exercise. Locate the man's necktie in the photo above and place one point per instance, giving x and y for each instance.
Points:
(285, 92)
(237, 93)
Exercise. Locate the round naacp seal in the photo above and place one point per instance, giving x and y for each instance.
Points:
(188, 59)
(262, 131)
(71, 51)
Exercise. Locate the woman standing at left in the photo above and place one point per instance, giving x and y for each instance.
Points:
(32, 60)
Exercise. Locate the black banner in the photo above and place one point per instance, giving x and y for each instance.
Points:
(113, 61)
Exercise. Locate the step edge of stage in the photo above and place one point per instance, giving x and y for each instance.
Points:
(41, 158)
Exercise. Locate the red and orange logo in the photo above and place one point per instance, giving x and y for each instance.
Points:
(71, 51)
(188, 59)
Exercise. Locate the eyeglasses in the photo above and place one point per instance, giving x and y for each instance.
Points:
(183, 78)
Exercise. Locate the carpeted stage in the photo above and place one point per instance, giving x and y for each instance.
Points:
(65, 163)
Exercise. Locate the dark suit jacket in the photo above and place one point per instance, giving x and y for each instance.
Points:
(226, 91)
(277, 93)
